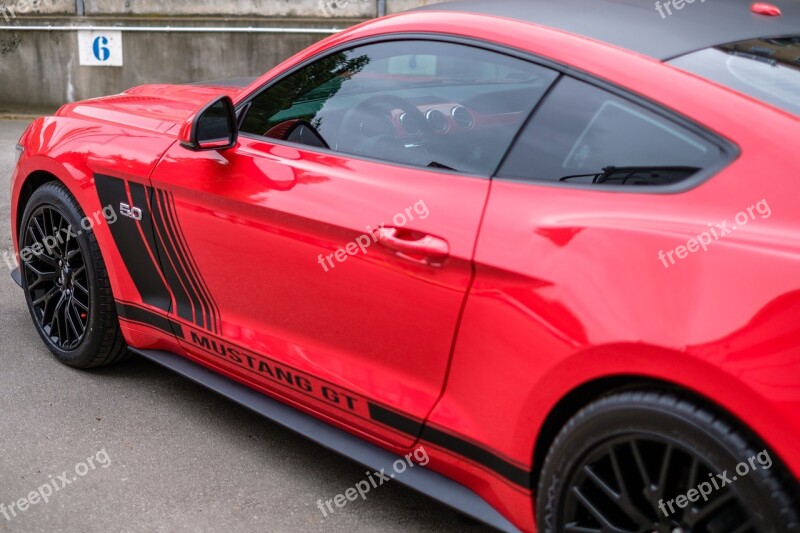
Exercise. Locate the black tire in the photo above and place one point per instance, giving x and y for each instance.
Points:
(66, 282)
(622, 442)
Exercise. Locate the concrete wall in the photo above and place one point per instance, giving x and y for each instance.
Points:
(40, 70)
(246, 8)
(228, 8)
(238, 8)
(10, 9)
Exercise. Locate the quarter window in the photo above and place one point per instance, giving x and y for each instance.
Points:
(583, 134)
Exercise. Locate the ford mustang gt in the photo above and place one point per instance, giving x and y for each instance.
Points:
(556, 244)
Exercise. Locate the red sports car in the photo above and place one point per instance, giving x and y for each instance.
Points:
(553, 244)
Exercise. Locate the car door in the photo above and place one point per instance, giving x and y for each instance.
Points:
(327, 257)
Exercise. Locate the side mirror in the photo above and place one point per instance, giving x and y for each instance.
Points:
(214, 127)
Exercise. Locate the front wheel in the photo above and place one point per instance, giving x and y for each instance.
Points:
(65, 281)
(649, 462)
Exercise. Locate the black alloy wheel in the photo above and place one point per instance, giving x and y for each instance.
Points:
(66, 283)
(56, 278)
(660, 462)
(630, 483)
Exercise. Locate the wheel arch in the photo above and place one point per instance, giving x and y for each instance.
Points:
(39, 170)
(580, 397)
(590, 391)
(33, 181)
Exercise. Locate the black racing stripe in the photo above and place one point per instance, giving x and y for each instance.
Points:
(395, 420)
(132, 248)
(205, 293)
(200, 307)
(173, 271)
(144, 316)
(518, 476)
(513, 473)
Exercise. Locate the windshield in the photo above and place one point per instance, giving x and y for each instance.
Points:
(767, 69)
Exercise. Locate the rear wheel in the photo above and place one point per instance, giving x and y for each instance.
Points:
(648, 462)
(65, 281)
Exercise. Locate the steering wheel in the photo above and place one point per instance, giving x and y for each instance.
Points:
(370, 123)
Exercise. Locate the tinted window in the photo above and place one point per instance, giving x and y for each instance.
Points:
(582, 134)
(428, 104)
(766, 69)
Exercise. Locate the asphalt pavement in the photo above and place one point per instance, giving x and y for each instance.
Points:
(134, 447)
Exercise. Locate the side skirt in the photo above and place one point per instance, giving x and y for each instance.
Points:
(426, 481)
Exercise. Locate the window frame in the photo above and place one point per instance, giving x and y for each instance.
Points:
(729, 151)
(244, 106)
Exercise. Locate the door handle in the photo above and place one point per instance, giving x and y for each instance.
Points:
(415, 246)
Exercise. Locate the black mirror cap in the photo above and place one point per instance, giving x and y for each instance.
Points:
(190, 134)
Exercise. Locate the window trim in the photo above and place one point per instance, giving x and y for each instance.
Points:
(729, 151)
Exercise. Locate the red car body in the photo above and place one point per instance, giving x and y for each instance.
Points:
(551, 296)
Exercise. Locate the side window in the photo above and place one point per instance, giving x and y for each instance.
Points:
(583, 134)
(422, 103)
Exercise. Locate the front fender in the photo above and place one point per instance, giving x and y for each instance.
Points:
(72, 150)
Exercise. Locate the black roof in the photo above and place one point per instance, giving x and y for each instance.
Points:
(636, 24)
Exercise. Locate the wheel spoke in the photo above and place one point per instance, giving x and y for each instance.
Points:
(71, 322)
(83, 289)
(637, 456)
(70, 255)
(625, 502)
(692, 482)
(611, 493)
(60, 227)
(58, 314)
(596, 513)
(41, 274)
(57, 281)
(51, 227)
(39, 227)
(67, 240)
(54, 319)
(46, 297)
(78, 303)
(664, 472)
(697, 516)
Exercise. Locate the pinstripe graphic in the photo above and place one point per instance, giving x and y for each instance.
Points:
(138, 258)
(156, 254)
(205, 308)
(173, 269)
